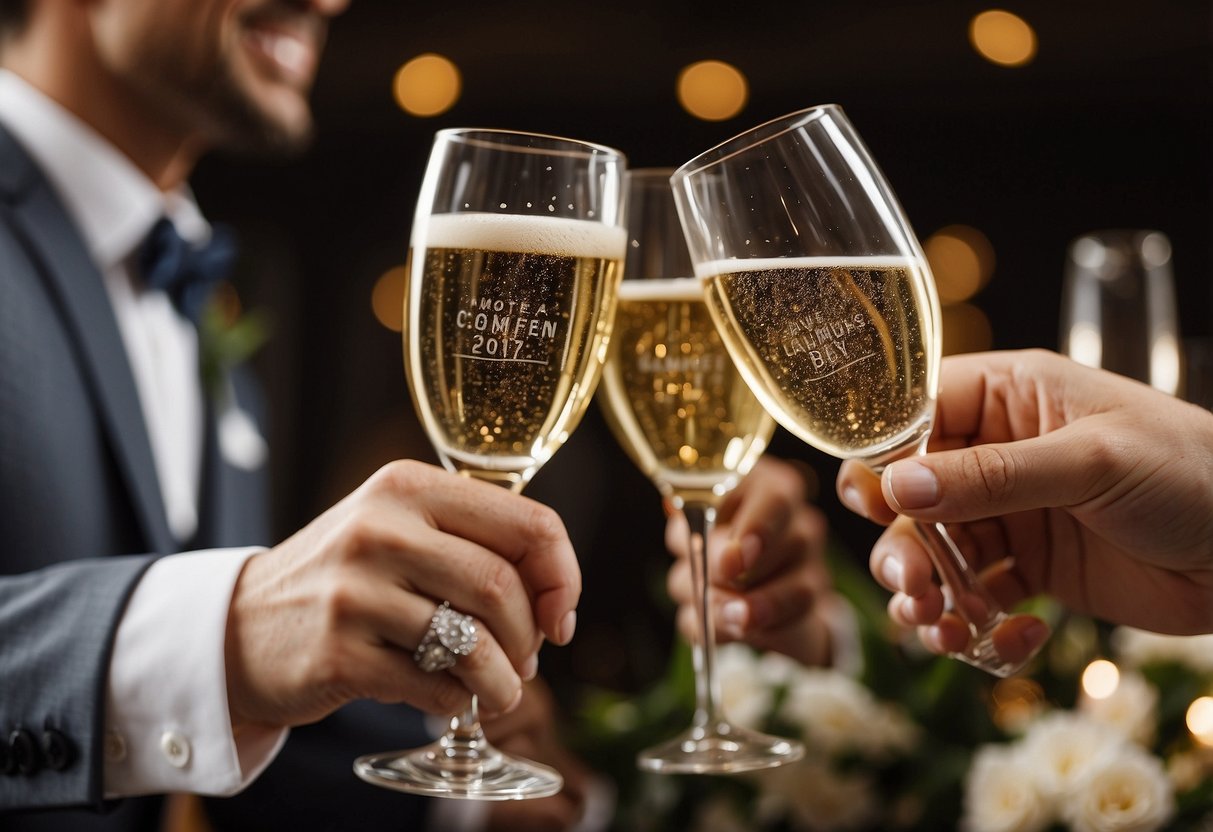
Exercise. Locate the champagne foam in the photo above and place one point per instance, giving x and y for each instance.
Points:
(558, 236)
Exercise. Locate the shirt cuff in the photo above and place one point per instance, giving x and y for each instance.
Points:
(168, 728)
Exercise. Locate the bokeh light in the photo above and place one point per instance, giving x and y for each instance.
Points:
(1100, 679)
(427, 85)
(387, 299)
(1003, 38)
(712, 90)
(1200, 720)
(962, 261)
(965, 329)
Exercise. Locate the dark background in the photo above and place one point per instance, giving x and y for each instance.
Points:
(1110, 126)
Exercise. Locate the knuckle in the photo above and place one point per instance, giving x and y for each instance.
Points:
(543, 523)
(403, 477)
(447, 696)
(479, 659)
(994, 468)
(496, 585)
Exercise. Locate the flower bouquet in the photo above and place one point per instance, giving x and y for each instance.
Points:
(1110, 729)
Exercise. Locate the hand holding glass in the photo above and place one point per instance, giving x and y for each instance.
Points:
(516, 250)
(675, 402)
(825, 302)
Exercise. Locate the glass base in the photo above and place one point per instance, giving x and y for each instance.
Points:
(486, 775)
(724, 749)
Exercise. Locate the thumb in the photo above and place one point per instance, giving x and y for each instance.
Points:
(991, 480)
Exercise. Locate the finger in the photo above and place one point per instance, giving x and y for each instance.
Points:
(486, 671)
(678, 582)
(677, 535)
(755, 520)
(859, 490)
(476, 582)
(527, 533)
(919, 611)
(900, 563)
(995, 479)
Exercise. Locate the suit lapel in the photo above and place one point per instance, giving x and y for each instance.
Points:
(77, 286)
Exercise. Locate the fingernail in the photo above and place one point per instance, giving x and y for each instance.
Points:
(530, 668)
(1033, 635)
(912, 485)
(750, 547)
(851, 499)
(514, 703)
(891, 571)
(932, 638)
(733, 616)
(568, 626)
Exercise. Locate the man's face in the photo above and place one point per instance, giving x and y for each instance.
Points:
(235, 72)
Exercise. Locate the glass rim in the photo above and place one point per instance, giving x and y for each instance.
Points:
(750, 137)
(574, 147)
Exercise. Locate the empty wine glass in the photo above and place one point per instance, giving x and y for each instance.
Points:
(1118, 306)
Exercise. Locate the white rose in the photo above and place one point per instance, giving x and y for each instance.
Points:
(1131, 709)
(1129, 792)
(746, 696)
(814, 797)
(1064, 748)
(834, 711)
(1001, 793)
(1138, 647)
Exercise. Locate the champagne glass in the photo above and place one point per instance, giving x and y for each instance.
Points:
(825, 301)
(675, 402)
(1118, 306)
(515, 256)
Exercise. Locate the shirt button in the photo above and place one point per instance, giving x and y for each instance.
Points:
(176, 748)
(114, 747)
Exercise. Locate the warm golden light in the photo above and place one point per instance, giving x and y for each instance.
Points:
(712, 90)
(1200, 720)
(1015, 702)
(965, 329)
(1002, 38)
(428, 85)
(961, 259)
(1100, 679)
(387, 299)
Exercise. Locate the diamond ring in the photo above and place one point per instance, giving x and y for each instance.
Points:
(451, 635)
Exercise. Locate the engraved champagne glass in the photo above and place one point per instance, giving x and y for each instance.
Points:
(825, 301)
(676, 403)
(515, 256)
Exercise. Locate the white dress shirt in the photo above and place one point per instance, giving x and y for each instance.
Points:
(175, 733)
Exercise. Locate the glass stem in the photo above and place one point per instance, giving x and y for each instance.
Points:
(700, 519)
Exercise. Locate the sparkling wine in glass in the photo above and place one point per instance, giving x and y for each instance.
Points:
(515, 256)
(676, 403)
(825, 302)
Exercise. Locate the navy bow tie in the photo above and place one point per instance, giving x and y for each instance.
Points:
(186, 273)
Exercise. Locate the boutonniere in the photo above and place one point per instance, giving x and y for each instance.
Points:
(228, 337)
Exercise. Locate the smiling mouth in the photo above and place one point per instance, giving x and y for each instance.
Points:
(289, 53)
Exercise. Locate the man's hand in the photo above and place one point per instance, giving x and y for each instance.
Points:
(335, 612)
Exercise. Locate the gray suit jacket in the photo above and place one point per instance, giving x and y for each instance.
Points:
(81, 514)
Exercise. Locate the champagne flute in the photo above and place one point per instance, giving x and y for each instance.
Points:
(675, 402)
(515, 256)
(825, 301)
(1118, 306)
